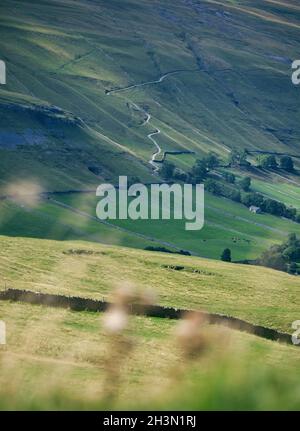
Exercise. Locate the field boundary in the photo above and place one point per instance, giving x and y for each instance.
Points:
(87, 304)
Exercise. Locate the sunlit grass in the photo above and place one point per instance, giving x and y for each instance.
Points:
(55, 359)
(256, 294)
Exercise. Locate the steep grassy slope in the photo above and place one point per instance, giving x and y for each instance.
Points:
(43, 143)
(256, 294)
(237, 91)
(61, 129)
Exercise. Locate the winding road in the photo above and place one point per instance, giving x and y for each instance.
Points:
(150, 136)
(158, 152)
(157, 81)
(153, 160)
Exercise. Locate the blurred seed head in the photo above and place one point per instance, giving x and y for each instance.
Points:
(115, 320)
(191, 334)
(148, 297)
(128, 294)
(24, 192)
(124, 295)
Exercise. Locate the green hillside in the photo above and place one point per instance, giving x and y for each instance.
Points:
(227, 224)
(211, 76)
(233, 88)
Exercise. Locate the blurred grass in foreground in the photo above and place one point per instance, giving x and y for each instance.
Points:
(58, 359)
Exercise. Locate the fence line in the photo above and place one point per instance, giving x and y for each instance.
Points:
(92, 305)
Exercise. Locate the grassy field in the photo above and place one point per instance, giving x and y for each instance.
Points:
(255, 294)
(227, 224)
(57, 359)
(60, 358)
(281, 191)
(52, 222)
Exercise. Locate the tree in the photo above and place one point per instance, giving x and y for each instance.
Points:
(283, 257)
(246, 199)
(180, 175)
(267, 162)
(226, 255)
(235, 195)
(290, 213)
(237, 157)
(273, 259)
(213, 187)
(291, 253)
(245, 184)
(211, 160)
(291, 248)
(286, 163)
(293, 268)
(167, 170)
(199, 171)
(274, 207)
(273, 162)
(256, 199)
(229, 177)
(292, 238)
